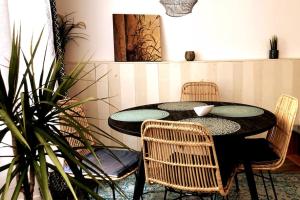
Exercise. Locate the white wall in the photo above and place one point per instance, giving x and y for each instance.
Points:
(33, 16)
(4, 33)
(216, 30)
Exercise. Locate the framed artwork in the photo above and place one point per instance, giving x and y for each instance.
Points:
(137, 37)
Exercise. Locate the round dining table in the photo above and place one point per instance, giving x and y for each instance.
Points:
(227, 121)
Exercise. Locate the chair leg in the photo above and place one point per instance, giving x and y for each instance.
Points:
(263, 179)
(113, 191)
(97, 188)
(180, 194)
(273, 187)
(225, 198)
(165, 196)
(136, 177)
(236, 180)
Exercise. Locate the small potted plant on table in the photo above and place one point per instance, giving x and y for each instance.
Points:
(273, 53)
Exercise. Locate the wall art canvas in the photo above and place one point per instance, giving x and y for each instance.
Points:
(137, 37)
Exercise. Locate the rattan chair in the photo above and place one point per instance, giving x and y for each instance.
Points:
(269, 154)
(200, 91)
(116, 163)
(182, 156)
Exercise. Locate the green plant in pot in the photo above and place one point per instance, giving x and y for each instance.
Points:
(69, 29)
(273, 53)
(30, 113)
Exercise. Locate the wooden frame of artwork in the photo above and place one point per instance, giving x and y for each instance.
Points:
(137, 37)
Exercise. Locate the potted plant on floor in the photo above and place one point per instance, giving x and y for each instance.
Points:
(30, 113)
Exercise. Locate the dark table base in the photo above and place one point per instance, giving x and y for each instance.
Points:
(250, 180)
(140, 180)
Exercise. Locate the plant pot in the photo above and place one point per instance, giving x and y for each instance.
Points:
(273, 54)
(189, 55)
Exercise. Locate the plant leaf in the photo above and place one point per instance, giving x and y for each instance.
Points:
(3, 94)
(8, 179)
(13, 68)
(12, 127)
(17, 189)
(54, 159)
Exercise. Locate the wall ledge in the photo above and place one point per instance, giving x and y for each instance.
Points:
(190, 62)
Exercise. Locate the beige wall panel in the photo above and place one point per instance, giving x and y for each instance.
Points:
(163, 82)
(115, 94)
(296, 83)
(269, 84)
(247, 88)
(102, 106)
(127, 85)
(257, 82)
(152, 89)
(238, 76)
(87, 77)
(196, 71)
(225, 80)
(114, 87)
(174, 82)
(211, 69)
(95, 84)
(285, 77)
(86, 87)
(127, 92)
(290, 71)
(141, 86)
(184, 66)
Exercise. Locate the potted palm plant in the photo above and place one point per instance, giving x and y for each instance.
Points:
(30, 113)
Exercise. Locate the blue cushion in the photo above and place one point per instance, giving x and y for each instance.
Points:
(115, 162)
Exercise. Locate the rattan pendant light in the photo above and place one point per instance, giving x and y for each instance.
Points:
(178, 8)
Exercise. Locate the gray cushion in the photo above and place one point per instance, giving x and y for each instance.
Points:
(115, 162)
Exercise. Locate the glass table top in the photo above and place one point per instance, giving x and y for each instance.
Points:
(139, 115)
(236, 111)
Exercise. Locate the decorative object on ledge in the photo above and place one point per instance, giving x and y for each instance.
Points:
(69, 30)
(273, 53)
(178, 8)
(137, 37)
(189, 55)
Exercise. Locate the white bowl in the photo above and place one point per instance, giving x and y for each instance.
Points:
(203, 110)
